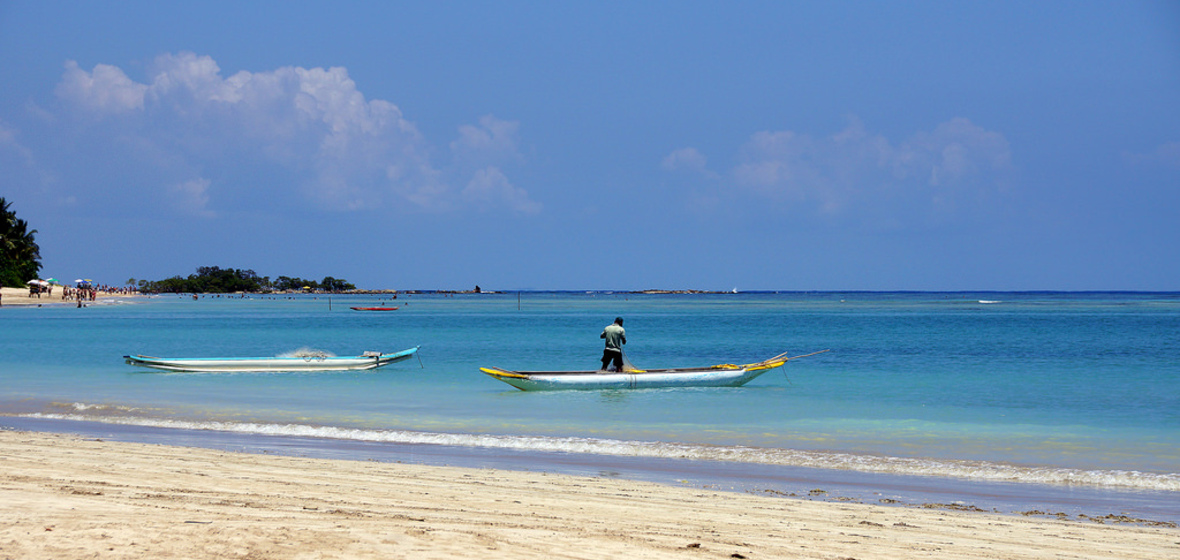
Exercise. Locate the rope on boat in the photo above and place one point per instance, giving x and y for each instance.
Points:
(783, 357)
(779, 360)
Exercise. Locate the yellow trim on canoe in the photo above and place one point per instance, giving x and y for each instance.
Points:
(771, 365)
(502, 373)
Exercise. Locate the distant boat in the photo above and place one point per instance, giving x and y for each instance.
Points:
(725, 375)
(373, 308)
(309, 362)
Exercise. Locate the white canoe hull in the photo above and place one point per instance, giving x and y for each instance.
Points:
(726, 375)
(591, 380)
(275, 364)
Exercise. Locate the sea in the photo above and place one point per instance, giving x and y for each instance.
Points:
(1035, 403)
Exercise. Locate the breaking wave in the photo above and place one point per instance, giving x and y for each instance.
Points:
(973, 470)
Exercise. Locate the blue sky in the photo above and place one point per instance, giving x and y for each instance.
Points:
(600, 145)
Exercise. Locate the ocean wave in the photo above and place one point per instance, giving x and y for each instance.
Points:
(906, 466)
(85, 407)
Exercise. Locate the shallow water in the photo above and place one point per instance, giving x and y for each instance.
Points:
(1050, 390)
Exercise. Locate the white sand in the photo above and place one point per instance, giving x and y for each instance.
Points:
(65, 497)
(20, 296)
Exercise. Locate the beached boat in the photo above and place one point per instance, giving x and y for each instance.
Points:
(305, 362)
(724, 375)
(373, 308)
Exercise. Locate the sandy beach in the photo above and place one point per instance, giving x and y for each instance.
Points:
(20, 296)
(69, 497)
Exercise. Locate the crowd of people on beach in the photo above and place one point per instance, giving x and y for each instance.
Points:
(83, 292)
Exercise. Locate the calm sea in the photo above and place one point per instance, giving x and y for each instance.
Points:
(1061, 398)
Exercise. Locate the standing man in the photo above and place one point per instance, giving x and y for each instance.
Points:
(615, 337)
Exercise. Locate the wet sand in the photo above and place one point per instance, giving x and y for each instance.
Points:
(69, 497)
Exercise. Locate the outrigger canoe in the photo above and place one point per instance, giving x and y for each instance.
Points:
(311, 362)
(724, 375)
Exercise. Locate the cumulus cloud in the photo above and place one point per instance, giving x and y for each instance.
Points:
(490, 186)
(482, 152)
(685, 159)
(192, 197)
(955, 151)
(493, 140)
(314, 124)
(939, 172)
(106, 89)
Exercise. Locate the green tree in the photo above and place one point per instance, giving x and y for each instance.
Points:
(208, 280)
(20, 257)
(335, 284)
(217, 280)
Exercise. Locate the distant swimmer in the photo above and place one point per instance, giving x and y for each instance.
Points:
(615, 337)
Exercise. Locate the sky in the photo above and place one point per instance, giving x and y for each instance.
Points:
(906, 145)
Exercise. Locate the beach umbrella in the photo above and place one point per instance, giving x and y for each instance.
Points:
(52, 280)
(31, 282)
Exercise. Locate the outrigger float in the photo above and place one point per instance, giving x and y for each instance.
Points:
(724, 375)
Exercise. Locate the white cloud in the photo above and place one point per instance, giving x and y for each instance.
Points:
(493, 140)
(489, 186)
(106, 89)
(483, 152)
(687, 159)
(957, 150)
(938, 171)
(192, 197)
(349, 151)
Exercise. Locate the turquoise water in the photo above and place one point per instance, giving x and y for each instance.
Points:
(1046, 388)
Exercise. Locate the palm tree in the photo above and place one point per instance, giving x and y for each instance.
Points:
(20, 257)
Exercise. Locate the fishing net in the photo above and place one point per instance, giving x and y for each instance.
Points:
(306, 352)
(627, 366)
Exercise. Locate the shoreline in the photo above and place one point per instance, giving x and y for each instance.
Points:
(19, 297)
(1013, 497)
(70, 496)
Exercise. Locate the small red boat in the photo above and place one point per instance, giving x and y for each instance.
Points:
(373, 308)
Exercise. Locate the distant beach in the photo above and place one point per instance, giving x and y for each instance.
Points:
(21, 297)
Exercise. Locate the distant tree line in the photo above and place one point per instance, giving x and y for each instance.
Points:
(20, 257)
(216, 280)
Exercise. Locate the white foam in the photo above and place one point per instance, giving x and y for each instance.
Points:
(81, 407)
(973, 470)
